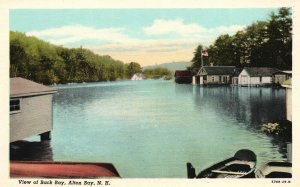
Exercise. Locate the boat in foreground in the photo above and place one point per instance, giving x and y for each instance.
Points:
(275, 169)
(37, 169)
(241, 165)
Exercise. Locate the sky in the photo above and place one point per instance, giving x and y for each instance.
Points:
(146, 36)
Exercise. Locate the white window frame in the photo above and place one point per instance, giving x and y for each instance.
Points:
(15, 111)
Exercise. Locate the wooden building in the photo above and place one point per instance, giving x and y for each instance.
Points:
(281, 76)
(137, 77)
(288, 97)
(30, 109)
(235, 76)
(183, 77)
(257, 76)
(216, 74)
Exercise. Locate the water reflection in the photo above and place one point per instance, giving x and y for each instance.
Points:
(251, 106)
(31, 151)
(183, 89)
(108, 122)
(69, 97)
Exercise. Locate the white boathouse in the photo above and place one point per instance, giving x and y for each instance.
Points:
(30, 109)
(215, 74)
(256, 76)
(137, 77)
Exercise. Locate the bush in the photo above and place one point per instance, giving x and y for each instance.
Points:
(282, 128)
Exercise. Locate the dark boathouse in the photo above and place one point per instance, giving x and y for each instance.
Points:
(183, 77)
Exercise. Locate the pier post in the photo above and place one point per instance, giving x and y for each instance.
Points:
(194, 80)
(289, 151)
(45, 136)
(191, 172)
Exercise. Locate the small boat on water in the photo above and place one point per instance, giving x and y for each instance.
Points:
(275, 169)
(37, 169)
(241, 165)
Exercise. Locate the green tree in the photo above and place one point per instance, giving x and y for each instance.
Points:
(263, 43)
(43, 62)
(157, 73)
(279, 43)
(224, 49)
(132, 68)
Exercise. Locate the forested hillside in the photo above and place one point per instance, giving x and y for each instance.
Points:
(172, 66)
(46, 63)
(262, 44)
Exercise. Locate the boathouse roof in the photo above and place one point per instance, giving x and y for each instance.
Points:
(288, 71)
(22, 87)
(237, 72)
(183, 73)
(284, 72)
(218, 70)
(260, 71)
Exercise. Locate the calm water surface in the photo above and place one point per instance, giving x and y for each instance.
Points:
(152, 128)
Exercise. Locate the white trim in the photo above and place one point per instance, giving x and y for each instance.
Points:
(32, 94)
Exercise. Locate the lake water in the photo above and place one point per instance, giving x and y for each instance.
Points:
(151, 128)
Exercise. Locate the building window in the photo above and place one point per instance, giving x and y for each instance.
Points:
(15, 106)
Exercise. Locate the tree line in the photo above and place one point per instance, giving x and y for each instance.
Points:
(158, 72)
(46, 63)
(261, 44)
(42, 62)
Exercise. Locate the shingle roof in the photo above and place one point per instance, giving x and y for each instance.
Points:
(260, 71)
(23, 87)
(219, 70)
(237, 72)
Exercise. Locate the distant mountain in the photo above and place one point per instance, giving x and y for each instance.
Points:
(172, 66)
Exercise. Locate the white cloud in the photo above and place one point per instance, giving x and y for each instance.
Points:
(232, 29)
(116, 38)
(150, 45)
(176, 26)
(116, 41)
(76, 33)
